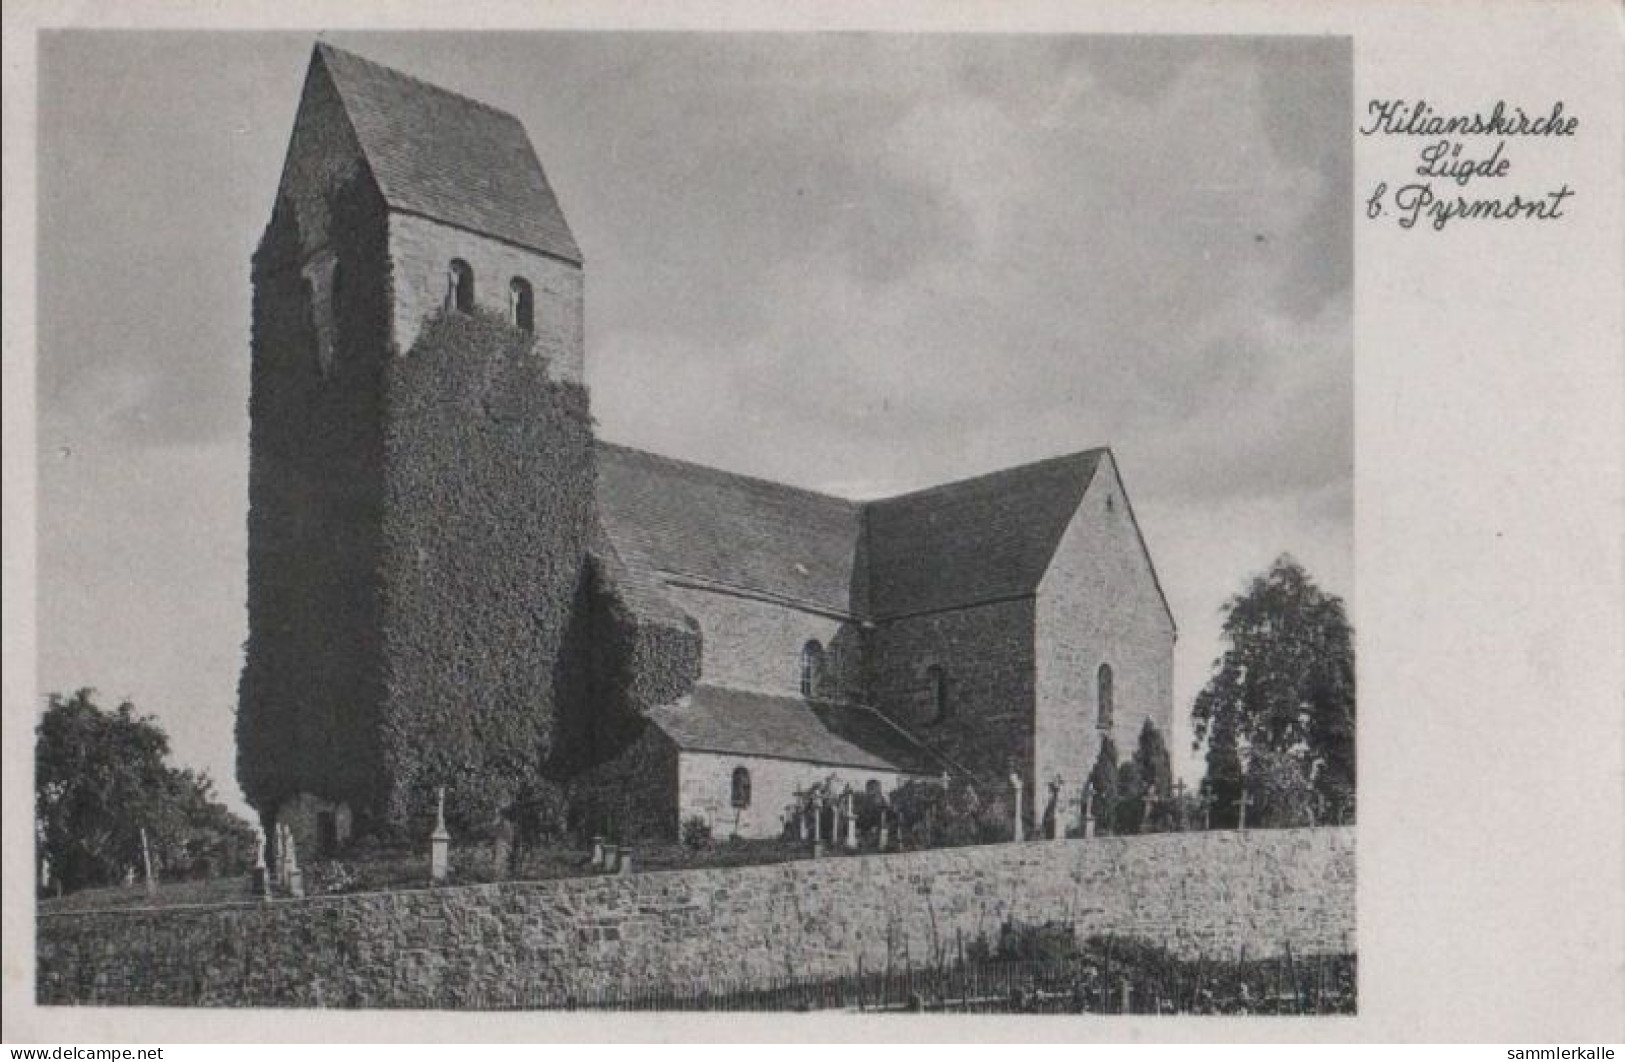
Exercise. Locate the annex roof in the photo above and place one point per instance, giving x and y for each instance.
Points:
(747, 723)
(446, 157)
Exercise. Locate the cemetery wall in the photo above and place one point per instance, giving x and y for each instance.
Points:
(513, 942)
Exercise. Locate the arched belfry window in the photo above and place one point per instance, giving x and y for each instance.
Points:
(521, 305)
(936, 681)
(739, 795)
(812, 660)
(1103, 697)
(459, 286)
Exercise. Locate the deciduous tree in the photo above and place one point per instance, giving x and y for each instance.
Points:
(100, 777)
(1283, 686)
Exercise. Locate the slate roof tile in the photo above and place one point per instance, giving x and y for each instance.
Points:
(728, 529)
(448, 157)
(975, 540)
(747, 723)
(959, 544)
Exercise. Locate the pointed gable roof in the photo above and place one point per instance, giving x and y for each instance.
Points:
(973, 541)
(447, 157)
(963, 543)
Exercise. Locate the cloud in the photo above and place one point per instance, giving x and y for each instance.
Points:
(1075, 264)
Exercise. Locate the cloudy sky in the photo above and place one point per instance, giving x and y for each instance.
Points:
(861, 264)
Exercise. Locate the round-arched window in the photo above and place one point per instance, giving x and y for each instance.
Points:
(812, 659)
(739, 795)
(460, 286)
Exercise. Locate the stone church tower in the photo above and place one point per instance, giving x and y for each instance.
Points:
(421, 462)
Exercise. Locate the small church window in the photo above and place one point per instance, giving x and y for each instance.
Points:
(1103, 697)
(460, 286)
(812, 658)
(521, 305)
(740, 795)
(1111, 506)
(937, 684)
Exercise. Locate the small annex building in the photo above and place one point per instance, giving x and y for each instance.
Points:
(423, 570)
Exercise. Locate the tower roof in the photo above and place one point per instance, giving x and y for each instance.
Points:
(449, 158)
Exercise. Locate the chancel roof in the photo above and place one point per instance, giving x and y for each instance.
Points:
(973, 541)
(447, 157)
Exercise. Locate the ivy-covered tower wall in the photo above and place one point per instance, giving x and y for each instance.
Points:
(487, 508)
(419, 514)
(311, 687)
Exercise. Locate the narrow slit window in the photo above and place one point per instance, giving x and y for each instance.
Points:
(740, 789)
(1103, 697)
(522, 304)
(937, 686)
(460, 286)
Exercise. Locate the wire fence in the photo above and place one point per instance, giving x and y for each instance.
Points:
(1114, 978)
(1149, 985)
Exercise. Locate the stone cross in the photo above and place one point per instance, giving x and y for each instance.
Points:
(1207, 808)
(818, 826)
(146, 863)
(851, 825)
(885, 824)
(1089, 811)
(1241, 823)
(598, 852)
(1179, 805)
(1056, 830)
(1150, 804)
(1015, 784)
(439, 840)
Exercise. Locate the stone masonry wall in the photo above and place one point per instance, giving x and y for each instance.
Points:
(1199, 893)
(705, 788)
(421, 252)
(752, 644)
(1099, 604)
(986, 652)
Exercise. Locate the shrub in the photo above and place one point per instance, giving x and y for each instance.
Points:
(329, 876)
(696, 833)
(1049, 942)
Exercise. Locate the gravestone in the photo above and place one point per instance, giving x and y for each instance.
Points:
(1017, 833)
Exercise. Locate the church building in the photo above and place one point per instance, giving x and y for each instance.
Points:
(454, 584)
